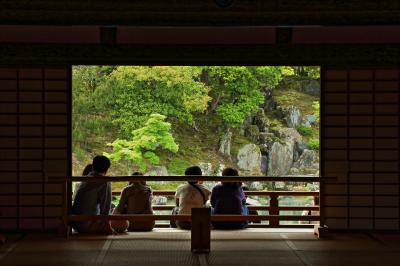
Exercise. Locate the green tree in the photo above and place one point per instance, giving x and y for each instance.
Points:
(312, 72)
(90, 115)
(146, 141)
(174, 91)
(237, 91)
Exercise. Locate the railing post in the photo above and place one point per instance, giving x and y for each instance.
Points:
(274, 204)
(316, 200)
(201, 228)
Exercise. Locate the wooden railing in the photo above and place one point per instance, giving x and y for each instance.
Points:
(273, 208)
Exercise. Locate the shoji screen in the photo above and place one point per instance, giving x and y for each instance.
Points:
(360, 146)
(34, 145)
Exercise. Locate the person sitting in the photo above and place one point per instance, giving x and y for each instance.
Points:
(135, 199)
(228, 198)
(88, 168)
(191, 195)
(94, 198)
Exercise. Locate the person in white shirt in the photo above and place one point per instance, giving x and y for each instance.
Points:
(191, 195)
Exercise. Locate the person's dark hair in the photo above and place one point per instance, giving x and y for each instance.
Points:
(245, 188)
(101, 164)
(231, 172)
(137, 173)
(87, 170)
(193, 170)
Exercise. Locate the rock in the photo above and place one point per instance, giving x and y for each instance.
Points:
(249, 158)
(299, 147)
(306, 160)
(261, 121)
(280, 159)
(225, 145)
(312, 87)
(252, 132)
(160, 200)
(289, 134)
(206, 168)
(256, 186)
(310, 119)
(282, 152)
(157, 171)
(266, 138)
(292, 116)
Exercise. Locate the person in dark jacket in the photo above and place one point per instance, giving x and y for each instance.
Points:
(94, 198)
(229, 198)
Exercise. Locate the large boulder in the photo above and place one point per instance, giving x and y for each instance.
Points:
(289, 134)
(225, 145)
(249, 158)
(307, 159)
(299, 147)
(280, 159)
(157, 171)
(309, 120)
(292, 116)
(312, 87)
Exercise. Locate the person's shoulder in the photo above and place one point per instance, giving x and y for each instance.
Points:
(217, 187)
(204, 188)
(182, 187)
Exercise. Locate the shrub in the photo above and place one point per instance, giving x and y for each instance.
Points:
(178, 166)
(305, 130)
(313, 144)
(316, 108)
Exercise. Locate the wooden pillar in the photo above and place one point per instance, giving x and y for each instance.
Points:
(274, 204)
(201, 228)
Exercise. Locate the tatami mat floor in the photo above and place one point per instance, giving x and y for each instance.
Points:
(172, 247)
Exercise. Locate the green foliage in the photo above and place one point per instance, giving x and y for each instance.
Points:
(305, 130)
(168, 90)
(313, 144)
(90, 109)
(141, 150)
(237, 91)
(312, 72)
(316, 108)
(178, 166)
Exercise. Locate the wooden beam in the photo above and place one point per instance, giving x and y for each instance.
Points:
(334, 55)
(197, 13)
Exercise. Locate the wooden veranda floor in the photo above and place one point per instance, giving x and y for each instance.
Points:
(172, 247)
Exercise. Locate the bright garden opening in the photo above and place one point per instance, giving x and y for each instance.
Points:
(159, 120)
